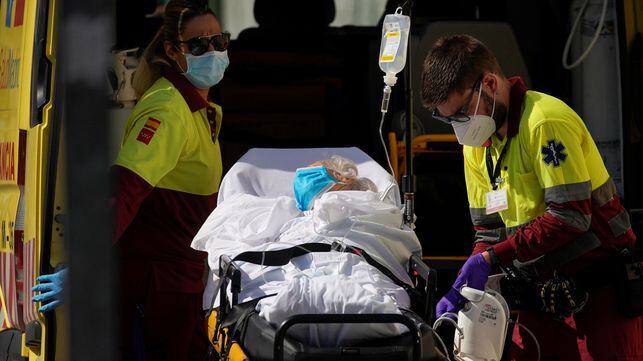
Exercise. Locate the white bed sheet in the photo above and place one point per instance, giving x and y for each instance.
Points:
(256, 211)
(331, 282)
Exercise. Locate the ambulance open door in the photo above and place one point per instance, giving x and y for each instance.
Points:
(31, 208)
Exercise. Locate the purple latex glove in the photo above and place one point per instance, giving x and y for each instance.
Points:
(474, 274)
(451, 302)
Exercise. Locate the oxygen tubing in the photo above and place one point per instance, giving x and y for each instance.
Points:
(601, 22)
(386, 96)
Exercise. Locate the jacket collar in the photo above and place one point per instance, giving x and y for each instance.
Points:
(516, 100)
(187, 90)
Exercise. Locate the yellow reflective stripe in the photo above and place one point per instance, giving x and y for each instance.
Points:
(491, 235)
(531, 178)
(603, 194)
(572, 217)
(569, 216)
(568, 192)
(479, 217)
(620, 223)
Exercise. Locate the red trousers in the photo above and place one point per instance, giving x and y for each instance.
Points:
(599, 333)
(158, 325)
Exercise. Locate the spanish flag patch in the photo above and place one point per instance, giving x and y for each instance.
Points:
(148, 130)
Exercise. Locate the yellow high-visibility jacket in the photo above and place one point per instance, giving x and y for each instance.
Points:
(557, 185)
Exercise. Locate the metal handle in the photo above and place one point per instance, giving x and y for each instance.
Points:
(228, 272)
(346, 318)
(430, 277)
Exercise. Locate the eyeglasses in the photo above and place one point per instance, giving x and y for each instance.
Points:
(201, 44)
(461, 115)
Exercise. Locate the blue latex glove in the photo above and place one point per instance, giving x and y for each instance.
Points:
(474, 274)
(51, 290)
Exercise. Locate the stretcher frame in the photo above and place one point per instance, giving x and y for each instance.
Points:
(237, 181)
(424, 278)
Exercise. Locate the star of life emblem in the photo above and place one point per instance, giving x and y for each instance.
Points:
(553, 153)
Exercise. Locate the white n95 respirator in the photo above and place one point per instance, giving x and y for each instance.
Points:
(478, 129)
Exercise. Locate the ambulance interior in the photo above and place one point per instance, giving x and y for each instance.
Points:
(302, 74)
(305, 74)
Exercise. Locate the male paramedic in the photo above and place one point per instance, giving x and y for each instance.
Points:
(535, 182)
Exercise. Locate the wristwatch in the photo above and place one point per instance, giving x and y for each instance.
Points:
(492, 256)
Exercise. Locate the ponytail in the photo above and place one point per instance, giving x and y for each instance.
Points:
(151, 64)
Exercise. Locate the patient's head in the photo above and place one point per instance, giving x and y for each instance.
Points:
(333, 174)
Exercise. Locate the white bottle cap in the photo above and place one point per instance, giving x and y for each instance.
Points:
(390, 79)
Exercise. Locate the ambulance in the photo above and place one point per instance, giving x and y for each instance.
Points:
(269, 93)
(31, 209)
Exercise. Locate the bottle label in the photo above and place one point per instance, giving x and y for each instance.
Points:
(393, 37)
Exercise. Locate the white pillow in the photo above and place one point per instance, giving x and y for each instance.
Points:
(268, 172)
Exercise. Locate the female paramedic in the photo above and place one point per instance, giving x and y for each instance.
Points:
(167, 176)
(537, 186)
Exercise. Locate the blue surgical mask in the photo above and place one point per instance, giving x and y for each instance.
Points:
(206, 70)
(311, 183)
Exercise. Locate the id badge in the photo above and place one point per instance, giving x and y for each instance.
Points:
(497, 201)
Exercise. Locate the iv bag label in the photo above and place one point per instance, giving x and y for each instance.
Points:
(393, 38)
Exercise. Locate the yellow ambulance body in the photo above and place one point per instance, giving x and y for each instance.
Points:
(30, 205)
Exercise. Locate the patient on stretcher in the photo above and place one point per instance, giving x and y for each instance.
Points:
(329, 204)
(333, 174)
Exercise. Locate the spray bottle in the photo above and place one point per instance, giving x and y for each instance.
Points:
(125, 65)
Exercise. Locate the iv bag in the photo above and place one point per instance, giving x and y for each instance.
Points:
(395, 38)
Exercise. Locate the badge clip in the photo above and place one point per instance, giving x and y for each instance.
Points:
(498, 181)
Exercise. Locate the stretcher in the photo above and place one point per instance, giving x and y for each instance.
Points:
(236, 330)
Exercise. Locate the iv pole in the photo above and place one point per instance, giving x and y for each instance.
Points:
(408, 180)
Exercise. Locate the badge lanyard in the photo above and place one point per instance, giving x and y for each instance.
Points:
(494, 172)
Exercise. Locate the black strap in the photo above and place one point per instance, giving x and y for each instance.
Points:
(235, 322)
(493, 256)
(268, 258)
(548, 263)
(380, 267)
(494, 172)
(283, 256)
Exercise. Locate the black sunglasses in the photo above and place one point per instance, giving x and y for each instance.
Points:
(461, 115)
(201, 44)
